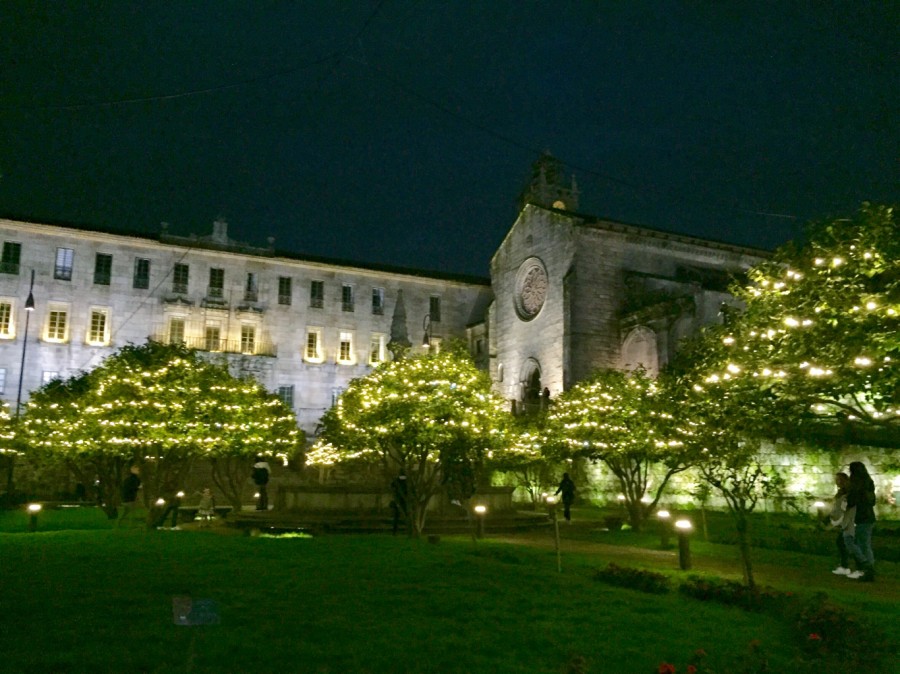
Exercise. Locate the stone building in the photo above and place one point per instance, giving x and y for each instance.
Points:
(567, 294)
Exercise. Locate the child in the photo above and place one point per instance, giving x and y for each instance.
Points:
(206, 509)
(842, 518)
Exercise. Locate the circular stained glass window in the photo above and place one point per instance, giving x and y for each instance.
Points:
(531, 288)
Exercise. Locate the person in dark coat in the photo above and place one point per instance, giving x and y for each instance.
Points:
(861, 495)
(130, 488)
(567, 489)
(261, 480)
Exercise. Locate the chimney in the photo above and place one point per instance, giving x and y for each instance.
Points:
(220, 231)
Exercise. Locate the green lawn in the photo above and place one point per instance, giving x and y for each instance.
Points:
(100, 600)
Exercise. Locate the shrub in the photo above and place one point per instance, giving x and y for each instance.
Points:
(733, 593)
(635, 579)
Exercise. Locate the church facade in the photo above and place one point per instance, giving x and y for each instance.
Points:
(567, 294)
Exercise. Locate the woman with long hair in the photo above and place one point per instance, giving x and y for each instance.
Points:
(861, 495)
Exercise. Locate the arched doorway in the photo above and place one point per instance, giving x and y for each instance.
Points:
(530, 386)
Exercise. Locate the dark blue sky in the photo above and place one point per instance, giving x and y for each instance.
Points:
(402, 132)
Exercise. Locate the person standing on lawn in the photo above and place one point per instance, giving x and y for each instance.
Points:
(861, 496)
(129, 492)
(567, 488)
(261, 480)
(842, 518)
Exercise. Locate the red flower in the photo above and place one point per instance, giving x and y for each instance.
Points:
(815, 637)
(666, 668)
(691, 669)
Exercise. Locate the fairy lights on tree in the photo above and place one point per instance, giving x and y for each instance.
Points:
(624, 420)
(433, 417)
(821, 324)
(163, 407)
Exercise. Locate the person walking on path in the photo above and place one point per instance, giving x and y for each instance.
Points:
(861, 496)
(261, 480)
(130, 488)
(567, 489)
(842, 518)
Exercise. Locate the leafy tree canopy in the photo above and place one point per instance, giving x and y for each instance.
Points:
(821, 324)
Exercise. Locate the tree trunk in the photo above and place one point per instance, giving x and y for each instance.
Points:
(744, 547)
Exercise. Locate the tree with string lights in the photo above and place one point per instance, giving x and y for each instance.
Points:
(163, 407)
(821, 326)
(623, 419)
(433, 418)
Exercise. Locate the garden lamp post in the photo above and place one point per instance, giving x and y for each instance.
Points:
(480, 512)
(684, 528)
(664, 517)
(29, 307)
(33, 510)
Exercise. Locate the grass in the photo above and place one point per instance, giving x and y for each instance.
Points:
(95, 599)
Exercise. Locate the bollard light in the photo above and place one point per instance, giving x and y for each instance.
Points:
(551, 499)
(480, 512)
(160, 501)
(621, 498)
(664, 516)
(820, 508)
(684, 528)
(33, 510)
(180, 494)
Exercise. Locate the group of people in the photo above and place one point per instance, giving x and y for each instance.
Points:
(853, 513)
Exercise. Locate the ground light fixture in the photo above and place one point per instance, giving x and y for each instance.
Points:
(664, 517)
(33, 510)
(820, 508)
(480, 512)
(683, 528)
(551, 501)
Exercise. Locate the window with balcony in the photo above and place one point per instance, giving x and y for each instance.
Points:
(317, 294)
(141, 273)
(313, 351)
(251, 287)
(216, 288)
(176, 330)
(98, 329)
(213, 338)
(284, 290)
(346, 297)
(248, 339)
(57, 328)
(180, 274)
(102, 269)
(9, 262)
(434, 309)
(378, 301)
(6, 320)
(65, 258)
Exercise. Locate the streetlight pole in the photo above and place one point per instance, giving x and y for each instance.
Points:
(29, 307)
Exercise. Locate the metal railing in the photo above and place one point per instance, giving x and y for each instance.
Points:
(258, 347)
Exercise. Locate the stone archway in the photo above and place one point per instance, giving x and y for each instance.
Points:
(530, 386)
(639, 350)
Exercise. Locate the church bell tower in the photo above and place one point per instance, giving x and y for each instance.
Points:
(548, 186)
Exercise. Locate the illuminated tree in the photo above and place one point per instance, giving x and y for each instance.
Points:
(161, 406)
(723, 425)
(433, 417)
(821, 325)
(526, 459)
(622, 419)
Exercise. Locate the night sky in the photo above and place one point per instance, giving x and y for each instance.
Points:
(402, 132)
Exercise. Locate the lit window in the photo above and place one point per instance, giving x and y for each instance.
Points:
(376, 349)
(286, 393)
(180, 275)
(284, 290)
(216, 283)
(2, 380)
(345, 350)
(251, 287)
(248, 338)
(317, 294)
(336, 395)
(6, 322)
(176, 330)
(378, 301)
(57, 325)
(213, 338)
(434, 309)
(313, 352)
(65, 257)
(98, 331)
(9, 262)
(347, 297)
(102, 269)
(49, 375)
